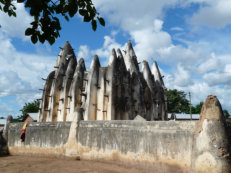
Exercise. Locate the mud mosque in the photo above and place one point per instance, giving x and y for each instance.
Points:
(119, 91)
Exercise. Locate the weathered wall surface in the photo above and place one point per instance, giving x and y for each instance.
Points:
(41, 138)
(151, 144)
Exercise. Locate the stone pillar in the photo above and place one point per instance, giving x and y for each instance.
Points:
(123, 102)
(210, 147)
(102, 97)
(160, 96)
(63, 108)
(149, 91)
(72, 142)
(43, 108)
(91, 90)
(111, 90)
(76, 90)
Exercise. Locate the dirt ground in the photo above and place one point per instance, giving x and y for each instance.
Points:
(34, 164)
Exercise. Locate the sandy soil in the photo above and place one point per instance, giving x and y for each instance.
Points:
(34, 164)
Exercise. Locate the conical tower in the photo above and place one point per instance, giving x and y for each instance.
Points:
(64, 58)
(91, 90)
(130, 59)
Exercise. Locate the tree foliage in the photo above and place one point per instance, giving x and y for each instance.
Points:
(197, 109)
(177, 102)
(31, 107)
(226, 113)
(46, 13)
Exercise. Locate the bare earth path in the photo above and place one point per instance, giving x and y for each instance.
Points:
(34, 164)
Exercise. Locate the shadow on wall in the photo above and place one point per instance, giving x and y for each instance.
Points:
(4, 137)
(3, 145)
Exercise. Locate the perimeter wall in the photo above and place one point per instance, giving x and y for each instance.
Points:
(161, 146)
(154, 145)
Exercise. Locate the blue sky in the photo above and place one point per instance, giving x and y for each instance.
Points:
(190, 40)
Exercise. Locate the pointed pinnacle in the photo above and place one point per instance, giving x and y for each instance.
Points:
(112, 57)
(95, 62)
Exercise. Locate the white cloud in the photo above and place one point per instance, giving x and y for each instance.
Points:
(216, 78)
(199, 91)
(105, 51)
(5, 109)
(20, 73)
(175, 54)
(149, 40)
(15, 27)
(182, 77)
(177, 29)
(210, 64)
(11, 83)
(83, 52)
(133, 15)
(227, 68)
(214, 13)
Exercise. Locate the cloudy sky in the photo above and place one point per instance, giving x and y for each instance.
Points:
(190, 40)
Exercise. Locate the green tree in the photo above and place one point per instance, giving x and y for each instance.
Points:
(46, 14)
(197, 109)
(177, 102)
(226, 113)
(31, 107)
